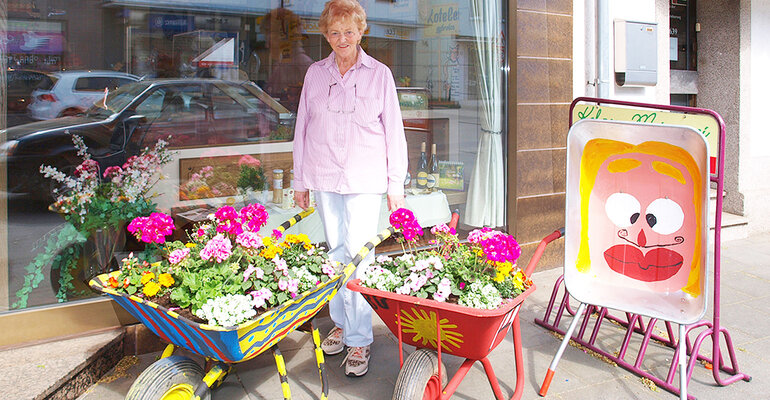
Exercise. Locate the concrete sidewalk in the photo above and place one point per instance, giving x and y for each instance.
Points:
(745, 309)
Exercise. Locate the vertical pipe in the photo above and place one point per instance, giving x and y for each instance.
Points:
(682, 365)
(603, 51)
(590, 45)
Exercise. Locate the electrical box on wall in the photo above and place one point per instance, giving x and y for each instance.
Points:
(636, 53)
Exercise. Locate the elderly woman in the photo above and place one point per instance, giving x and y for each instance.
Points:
(349, 148)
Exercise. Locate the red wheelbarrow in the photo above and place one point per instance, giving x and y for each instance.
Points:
(437, 328)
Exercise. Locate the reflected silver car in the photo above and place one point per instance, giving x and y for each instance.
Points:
(72, 92)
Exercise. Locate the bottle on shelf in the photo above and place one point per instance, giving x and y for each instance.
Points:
(422, 169)
(278, 186)
(433, 173)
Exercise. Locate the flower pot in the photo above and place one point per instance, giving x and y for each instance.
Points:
(99, 251)
(97, 256)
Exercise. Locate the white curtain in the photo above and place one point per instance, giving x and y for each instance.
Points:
(486, 191)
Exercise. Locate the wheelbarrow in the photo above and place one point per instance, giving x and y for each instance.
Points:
(437, 328)
(179, 377)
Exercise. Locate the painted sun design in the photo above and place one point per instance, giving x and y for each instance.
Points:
(423, 325)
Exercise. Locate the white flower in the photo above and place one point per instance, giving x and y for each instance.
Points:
(227, 310)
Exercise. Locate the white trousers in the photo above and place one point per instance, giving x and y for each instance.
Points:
(350, 221)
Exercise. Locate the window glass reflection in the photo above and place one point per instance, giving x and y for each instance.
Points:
(217, 80)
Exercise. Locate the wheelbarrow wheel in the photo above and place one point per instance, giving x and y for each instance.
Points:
(419, 377)
(170, 378)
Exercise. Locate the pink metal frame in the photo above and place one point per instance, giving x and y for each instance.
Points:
(454, 382)
(635, 323)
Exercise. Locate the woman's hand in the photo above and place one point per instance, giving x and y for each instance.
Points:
(395, 201)
(302, 199)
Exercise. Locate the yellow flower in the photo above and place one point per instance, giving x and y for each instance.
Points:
(151, 289)
(270, 252)
(146, 277)
(267, 241)
(155, 264)
(190, 245)
(307, 246)
(518, 279)
(166, 280)
(504, 267)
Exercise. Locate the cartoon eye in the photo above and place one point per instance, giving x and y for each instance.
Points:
(622, 209)
(664, 216)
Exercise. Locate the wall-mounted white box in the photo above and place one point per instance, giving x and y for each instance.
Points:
(636, 53)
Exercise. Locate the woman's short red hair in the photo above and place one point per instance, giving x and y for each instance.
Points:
(341, 10)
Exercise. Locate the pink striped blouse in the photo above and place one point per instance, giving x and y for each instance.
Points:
(349, 135)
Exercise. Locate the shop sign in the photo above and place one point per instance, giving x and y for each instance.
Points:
(172, 23)
(443, 20)
(393, 32)
(35, 37)
(705, 124)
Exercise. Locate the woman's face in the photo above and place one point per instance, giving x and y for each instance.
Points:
(343, 36)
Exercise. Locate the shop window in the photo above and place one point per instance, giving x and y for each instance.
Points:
(223, 78)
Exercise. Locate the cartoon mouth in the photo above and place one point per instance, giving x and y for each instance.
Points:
(657, 265)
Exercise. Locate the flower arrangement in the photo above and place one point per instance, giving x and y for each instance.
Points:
(96, 206)
(206, 183)
(228, 272)
(251, 176)
(480, 273)
(90, 199)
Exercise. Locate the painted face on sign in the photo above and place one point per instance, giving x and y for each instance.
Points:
(642, 214)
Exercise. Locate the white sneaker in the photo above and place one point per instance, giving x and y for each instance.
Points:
(333, 343)
(357, 361)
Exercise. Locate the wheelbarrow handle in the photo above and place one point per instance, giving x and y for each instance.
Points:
(348, 271)
(293, 220)
(540, 249)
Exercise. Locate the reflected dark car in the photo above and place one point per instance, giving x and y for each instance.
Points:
(185, 112)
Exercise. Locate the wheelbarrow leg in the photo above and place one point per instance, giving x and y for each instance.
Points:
(212, 380)
(168, 351)
(282, 372)
(319, 357)
(519, 358)
(564, 343)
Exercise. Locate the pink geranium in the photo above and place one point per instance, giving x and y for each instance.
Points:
(254, 216)
(152, 229)
(404, 219)
(178, 255)
(249, 240)
(228, 221)
(248, 160)
(219, 248)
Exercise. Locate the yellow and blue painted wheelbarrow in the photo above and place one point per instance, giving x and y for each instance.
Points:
(179, 377)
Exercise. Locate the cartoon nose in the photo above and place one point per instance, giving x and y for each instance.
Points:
(641, 240)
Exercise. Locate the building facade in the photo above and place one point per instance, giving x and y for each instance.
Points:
(489, 83)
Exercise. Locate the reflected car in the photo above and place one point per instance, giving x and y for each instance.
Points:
(72, 92)
(187, 113)
(20, 83)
